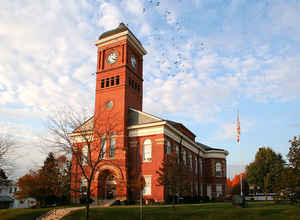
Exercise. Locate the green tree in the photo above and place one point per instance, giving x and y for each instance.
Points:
(265, 170)
(174, 176)
(291, 175)
(294, 154)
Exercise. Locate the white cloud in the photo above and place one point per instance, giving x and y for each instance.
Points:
(228, 130)
(110, 16)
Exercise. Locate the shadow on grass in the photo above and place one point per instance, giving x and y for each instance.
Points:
(213, 211)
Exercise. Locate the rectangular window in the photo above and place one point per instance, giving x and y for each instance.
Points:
(177, 153)
(147, 150)
(83, 185)
(129, 81)
(85, 155)
(102, 83)
(147, 188)
(219, 190)
(103, 148)
(138, 88)
(184, 157)
(112, 147)
(196, 165)
(117, 80)
(112, 81)
(107, 82)
(200, 166)
(191, 160)
(135, 85)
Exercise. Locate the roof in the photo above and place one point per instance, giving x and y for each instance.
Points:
(207, 148)
(121, 28)
(88, 125)
(136, 117)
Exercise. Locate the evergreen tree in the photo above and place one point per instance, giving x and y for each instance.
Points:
(174, 176)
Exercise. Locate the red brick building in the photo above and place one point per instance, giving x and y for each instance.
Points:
(139, 141)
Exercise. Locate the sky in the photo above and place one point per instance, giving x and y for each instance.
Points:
(206, 59)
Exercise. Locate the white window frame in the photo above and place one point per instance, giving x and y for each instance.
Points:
(201, 166)
(219, 190)
(148, 185)
(147, 150)
(218, 169)
(85, 155)
(103, 148)
(169, 149)
(113, 143)
(191, 160)
(184, 157)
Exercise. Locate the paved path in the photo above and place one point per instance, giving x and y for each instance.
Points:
(56, 214)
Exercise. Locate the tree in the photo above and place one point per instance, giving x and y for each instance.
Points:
(266, 169)
(236, 184)
(174, 176)
(291, 175)
(294, 154)
(71, 134)
(7, 146)
(45, 185)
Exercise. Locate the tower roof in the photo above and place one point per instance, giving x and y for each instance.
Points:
(121, 28)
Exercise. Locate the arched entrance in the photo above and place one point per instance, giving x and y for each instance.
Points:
(107, 184)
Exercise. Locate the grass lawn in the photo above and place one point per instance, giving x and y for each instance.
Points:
(208, 211)
(25, 214)
(22, 214)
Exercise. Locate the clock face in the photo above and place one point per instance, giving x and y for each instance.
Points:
(133, 61)
(112, 58)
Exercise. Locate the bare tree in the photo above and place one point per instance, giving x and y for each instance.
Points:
(85, 140)
(7, 147)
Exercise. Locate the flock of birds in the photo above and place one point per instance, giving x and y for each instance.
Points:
(170, 59)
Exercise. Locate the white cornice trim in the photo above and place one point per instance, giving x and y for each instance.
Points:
(146, 125)
(146, 114)
(131, 38)
(167, 129)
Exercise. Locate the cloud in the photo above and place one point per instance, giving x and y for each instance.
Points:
(228, 130)
(110, 16)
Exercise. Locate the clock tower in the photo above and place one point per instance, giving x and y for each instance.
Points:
(119, 86)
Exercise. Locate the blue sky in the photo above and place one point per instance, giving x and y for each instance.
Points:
(205, 60)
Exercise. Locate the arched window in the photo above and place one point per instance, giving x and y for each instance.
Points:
(168, 147)
(85, 155)
(112, 148)
(147, 150)
(218, 169)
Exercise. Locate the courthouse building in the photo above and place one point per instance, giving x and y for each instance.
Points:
(138, 140)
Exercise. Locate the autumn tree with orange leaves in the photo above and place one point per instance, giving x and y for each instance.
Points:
(47, 185)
